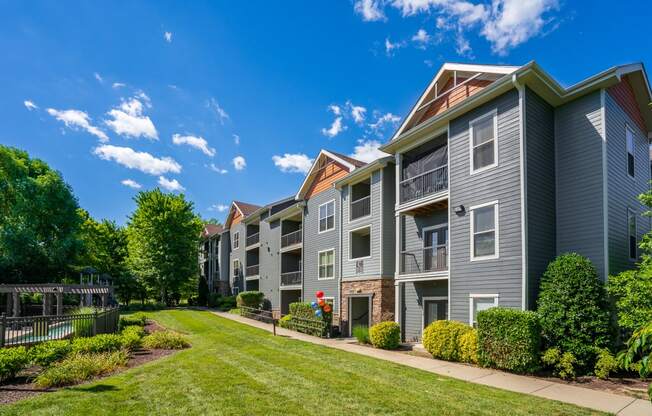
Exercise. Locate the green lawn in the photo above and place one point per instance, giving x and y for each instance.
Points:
(233, 369)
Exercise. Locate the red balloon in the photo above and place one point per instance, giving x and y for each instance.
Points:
(327, 308)
(319, 294)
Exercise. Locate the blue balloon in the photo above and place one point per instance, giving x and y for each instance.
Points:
(318, 312)
(313, 305)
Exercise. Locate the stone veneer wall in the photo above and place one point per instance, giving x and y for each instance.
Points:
(382, 301)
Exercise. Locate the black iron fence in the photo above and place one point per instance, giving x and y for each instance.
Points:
(29, 330)
(253, 270)
(361, 207)
(291, 278)
(424, 184)
(291, 239)
(253, 239)
(430, 259)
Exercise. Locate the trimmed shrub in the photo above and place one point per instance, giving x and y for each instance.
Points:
(632, 294)
(96, 344)
(137, 318)
(46, 353)
(284, 322)
(165, 340)
(304, 310)
(442, 339)
(605, 365)
(83, 327)
(509, 339)
(132, 337)
(12, 360)
(385, 335)
(572, 308)
(361, 333)
(80, 367)
(562, 365)
(250, 299)
(469, 347)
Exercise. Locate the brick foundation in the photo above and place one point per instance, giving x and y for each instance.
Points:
(382, 300)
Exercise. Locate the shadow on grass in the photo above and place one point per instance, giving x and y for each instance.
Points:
(98, 388)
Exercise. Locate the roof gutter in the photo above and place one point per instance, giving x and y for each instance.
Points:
(286, 212)
(360, 172)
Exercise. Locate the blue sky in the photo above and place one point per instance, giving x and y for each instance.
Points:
(230, 100)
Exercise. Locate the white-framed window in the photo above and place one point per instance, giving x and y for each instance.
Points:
(237, 268)
(480, 302)
(327, 216)
(629, 136)
(360, 243)
(631, 234)
(484, 231)
(326, 262)
(236, 240)
(483, 143)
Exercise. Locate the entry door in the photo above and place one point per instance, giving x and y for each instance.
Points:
(434, 310)
(359, 311)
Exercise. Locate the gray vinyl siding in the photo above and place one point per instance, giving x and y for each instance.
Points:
(225, 255)
(371, 265)
(578, 161)
(270, 241)
(239, 254)
(389, 221)
(502, 183)
(622, 189)
(412, 301)
(314, 242)
(540, 179)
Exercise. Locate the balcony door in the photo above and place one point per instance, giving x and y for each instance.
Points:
(435, 242)
(434, 309)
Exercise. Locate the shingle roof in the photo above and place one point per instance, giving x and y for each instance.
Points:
(355, 162)
(210, 230)
(247, 209)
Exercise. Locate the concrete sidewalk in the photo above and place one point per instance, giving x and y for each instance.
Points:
(592, 399)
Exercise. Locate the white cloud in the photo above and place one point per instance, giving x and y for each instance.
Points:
(168, 37)
(370, 10)
(367, 151)
(218, 207)
(335, 128)
(357, 112)
(98, 77)
(217, 169)
(128, 119)
(429, 63)
(141, 161)
(421, 38)
(118, 85)
(29, 104)
(462, 46)
(239, 163)
(390, 47)
(298, 162)
(78, 119)
(193, 141)
(215, 106)
(236, 139)
(335, 109)
(131, 183)
(387, 119)
(170, 185)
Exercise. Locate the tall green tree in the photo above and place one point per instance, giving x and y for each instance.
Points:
(38, 220)
(162, 234)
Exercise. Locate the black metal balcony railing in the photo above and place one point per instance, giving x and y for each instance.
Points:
(291, 278)
(431, 259)
(253, 239)
(291, 239)
(425, 184)
(253, 270)
(361, 207)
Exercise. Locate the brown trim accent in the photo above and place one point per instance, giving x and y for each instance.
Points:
(623, 94)
(327, 175)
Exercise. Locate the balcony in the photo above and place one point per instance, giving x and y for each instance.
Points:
(431, 259)
(291, 278)
(424, 184)
(361, 207)
(253, 270)
(291, 239)
(253, 239)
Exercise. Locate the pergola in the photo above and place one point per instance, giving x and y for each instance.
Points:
(86, 291)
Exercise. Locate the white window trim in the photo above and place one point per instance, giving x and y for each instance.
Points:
(632, 211)
(494, 114)
(319, 231)
(236, 234)
(629, 129)
(473, 296)
(351, 242)
(496, 254)
(319, 266)
(233, 264)
(351, 185)
(423, 307)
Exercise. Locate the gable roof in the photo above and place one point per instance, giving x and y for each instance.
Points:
(243, 208)
(210, 230)
(347, 162)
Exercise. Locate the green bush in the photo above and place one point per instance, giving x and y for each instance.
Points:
(137, 318)
(605, 365)
(250, 299)
(632, 295)
(46, 353)
(132, 337)
(562, 365)
(469, 347)
(165, 340)
(223, 303)
(304, 310)
(96, 344)
(385, 335)
(638, 353)
(573, 311)
(80, 367)
(12, 360)
(442, 339)
(202, 291)
(284, 322)
(83, 327)
(361, 333)
(509, 339)
(148, 307)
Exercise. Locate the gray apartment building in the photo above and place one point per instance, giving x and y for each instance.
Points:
(495, 171)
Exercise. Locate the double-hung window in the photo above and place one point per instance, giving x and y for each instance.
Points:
(484, 231)
(484, 149)
(237, 268)
(479, 303)
(327, 216)
(631, 231)
(326, 264)
(629, 134)
(236, 240)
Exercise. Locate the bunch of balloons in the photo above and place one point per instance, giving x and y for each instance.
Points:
(320, 306)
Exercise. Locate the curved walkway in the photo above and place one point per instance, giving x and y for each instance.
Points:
(592, 399)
